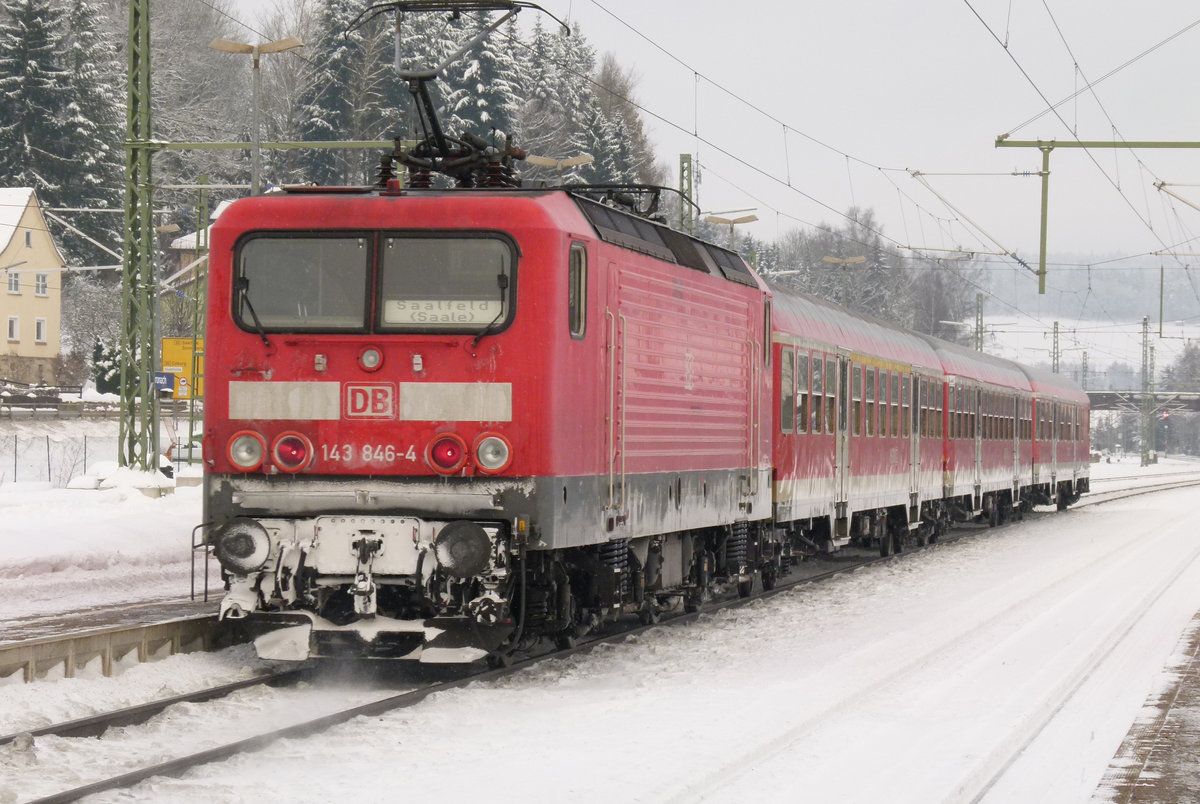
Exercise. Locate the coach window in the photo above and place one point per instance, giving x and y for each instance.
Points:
(802, 392)
(870, 398)
(787, 391)
(831, 385)
(905, 386)
(895, 404)
(856, 395)
(952, 415)
(939, 407)
(299, 283)
(577, 291)
(818, 388)
(884, 404)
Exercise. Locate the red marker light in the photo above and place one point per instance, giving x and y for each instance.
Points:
(292, 452)
(447, 453)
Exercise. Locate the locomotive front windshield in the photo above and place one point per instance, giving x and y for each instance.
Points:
(426, 283)
(443, 283)
(303, 283)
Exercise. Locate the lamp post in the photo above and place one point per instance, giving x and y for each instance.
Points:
(559, 164)
(718, 218)
(278, 46)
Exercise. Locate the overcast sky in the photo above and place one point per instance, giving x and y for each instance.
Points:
(869, 90)
(925, 86)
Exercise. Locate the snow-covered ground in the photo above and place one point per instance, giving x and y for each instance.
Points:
(1009, 664)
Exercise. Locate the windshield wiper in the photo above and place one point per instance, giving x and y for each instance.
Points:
(242, 285)
(502, 281)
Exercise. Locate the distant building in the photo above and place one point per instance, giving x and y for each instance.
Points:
(31, 269)
(189, 247)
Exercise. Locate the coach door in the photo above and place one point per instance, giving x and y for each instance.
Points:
(981, 408)
(842, 439)
(912, 398)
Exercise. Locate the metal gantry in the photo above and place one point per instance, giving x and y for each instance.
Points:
(138, 433)
(1046, 147)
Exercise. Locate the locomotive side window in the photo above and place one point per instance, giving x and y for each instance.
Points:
(451, 283)
(802, 392)
(302, 283)
(577, 291)
(787, 410)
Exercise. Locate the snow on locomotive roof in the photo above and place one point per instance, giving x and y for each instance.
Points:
(837, 326)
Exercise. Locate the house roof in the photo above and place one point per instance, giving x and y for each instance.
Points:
(13, 203)
(187, 242)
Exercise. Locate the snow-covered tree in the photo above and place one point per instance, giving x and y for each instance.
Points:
(353, 93)
(96, 89)
(37, 147)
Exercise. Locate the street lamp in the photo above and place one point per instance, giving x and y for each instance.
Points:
(255, 51)
(717, 217)
(559, 164)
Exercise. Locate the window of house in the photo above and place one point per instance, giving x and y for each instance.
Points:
(14, 282)
(41, 284)
(39, 330)
(29, 240)
(14, 328)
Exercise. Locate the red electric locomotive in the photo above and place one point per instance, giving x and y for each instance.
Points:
(442, 424)
(443, 420)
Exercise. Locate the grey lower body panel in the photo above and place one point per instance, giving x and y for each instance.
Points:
(562, 511)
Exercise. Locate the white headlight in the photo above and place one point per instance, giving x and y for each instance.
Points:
(492, 453)
(246, 450)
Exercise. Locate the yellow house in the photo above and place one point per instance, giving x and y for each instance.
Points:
(31, 269)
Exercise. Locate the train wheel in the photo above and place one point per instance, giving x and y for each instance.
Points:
(498, 661)
(994, 515)
(886, 547)
(746, 587)
(923, 535)
(565, 640)
(769, 576)
(649, 615)
(1062, 501)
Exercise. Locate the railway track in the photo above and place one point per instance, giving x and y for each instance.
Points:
(407, 698)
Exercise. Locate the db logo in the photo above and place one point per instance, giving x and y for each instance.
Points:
(373, 401)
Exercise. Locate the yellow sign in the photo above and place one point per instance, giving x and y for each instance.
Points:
(177, 359)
